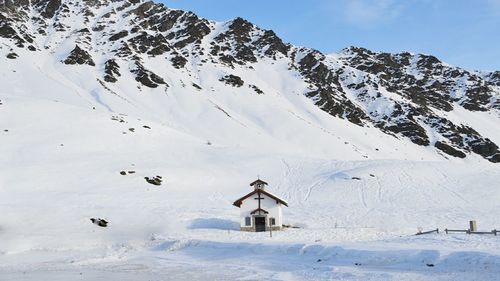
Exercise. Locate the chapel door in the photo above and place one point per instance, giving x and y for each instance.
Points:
(260, 224)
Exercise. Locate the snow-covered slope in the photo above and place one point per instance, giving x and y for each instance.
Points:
(61, 166)
(136, 57)
(91, 89)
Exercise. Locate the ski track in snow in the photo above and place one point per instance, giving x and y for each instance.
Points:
(98, 100)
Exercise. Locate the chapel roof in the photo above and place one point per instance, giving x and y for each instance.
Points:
(258, 181)
(238, 202)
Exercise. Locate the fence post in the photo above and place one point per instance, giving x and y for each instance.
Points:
(472, 226)
(270, 228)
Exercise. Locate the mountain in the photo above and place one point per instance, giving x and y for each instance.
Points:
(156, 120)
(404, 95)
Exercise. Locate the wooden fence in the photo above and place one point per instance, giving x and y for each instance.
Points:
(428, 232)
(448, 231)
(494, 231)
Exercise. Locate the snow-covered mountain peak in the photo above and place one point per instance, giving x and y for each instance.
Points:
(168, 51)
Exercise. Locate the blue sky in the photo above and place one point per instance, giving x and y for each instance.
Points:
(464, 33)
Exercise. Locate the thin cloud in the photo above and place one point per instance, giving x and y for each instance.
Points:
(367, 13)
(495, 5)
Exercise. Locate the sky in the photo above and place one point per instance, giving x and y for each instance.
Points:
(464, 33)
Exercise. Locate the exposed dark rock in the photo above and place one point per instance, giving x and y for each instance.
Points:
(239, 30)
(84, 30)
(227, 59)
(329, 94)
(148, 13)
(12, 56)
(126, 5)
(494, 78)
(237, 40)
(154, 180)
(12, 5)
(192, 30)
(124, 50)
(465, 138)
(428, 62)
(273, 43)
(6, 31)
(49, 7)
(159, 50)
(79, 56)
(449, 150)
(111, 70)
(232, 80)
(153, 45)
(477, 99)
(411, 130)
(99, 222)
(167, 21)
(118, 118)
(146, 77)
(336, 104)
(429, 84)
(119, 35)
(485, 148)
(178, 61)
(392, 69)
(256, 89)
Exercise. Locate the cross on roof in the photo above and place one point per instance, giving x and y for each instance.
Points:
(260, 191)
(259, 198)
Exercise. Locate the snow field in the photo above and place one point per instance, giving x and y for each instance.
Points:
(61, 165)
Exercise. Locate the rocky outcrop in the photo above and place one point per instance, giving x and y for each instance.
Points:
(146, 77)
(232, 80)
(449, 149)
(151, 44)
(119, 35)
(327, 90)
(79, 56)
(178, 61)
(48, 8)
(112, 71)
(420, 87)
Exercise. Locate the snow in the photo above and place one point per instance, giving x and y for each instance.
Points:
(357, 195)
(187, 228)
(173, 260)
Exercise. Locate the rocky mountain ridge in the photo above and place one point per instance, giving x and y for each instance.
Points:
(405, 95)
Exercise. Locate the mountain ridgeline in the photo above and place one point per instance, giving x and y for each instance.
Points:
(405, 95)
